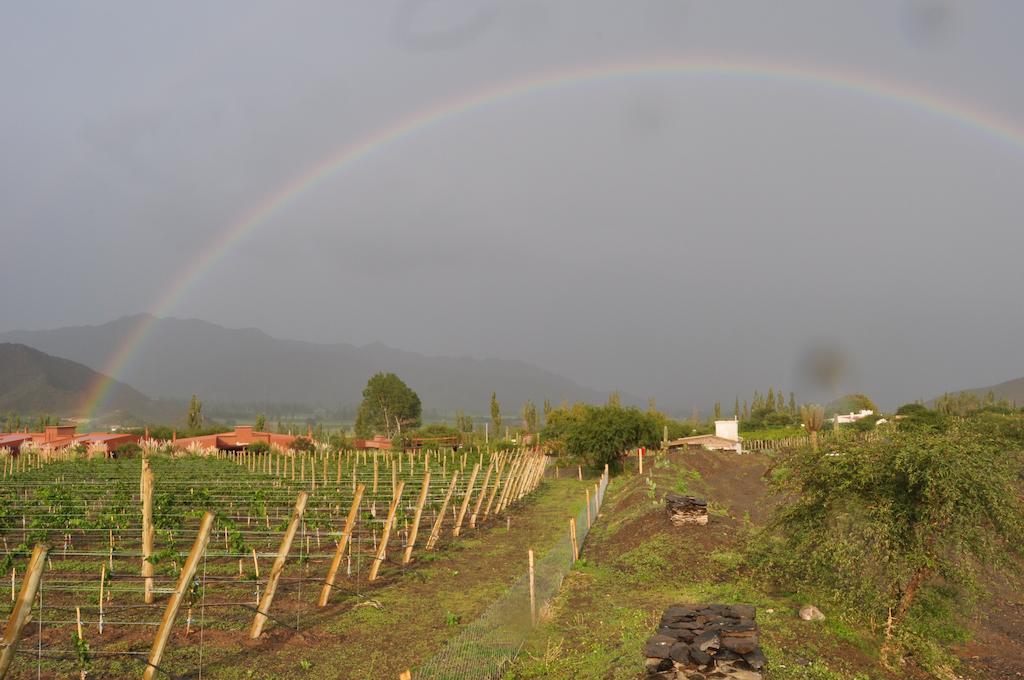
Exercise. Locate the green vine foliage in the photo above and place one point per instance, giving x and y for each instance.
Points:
(888, 524)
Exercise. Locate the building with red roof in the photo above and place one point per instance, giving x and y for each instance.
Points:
(237, 440)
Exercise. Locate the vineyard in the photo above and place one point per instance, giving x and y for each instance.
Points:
(212, 544)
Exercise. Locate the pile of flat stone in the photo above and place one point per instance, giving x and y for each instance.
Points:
(686, 509)
(704, 641)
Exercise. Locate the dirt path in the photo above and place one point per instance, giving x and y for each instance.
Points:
(410, 616)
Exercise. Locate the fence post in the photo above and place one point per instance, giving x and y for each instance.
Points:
(188, 572)
(147, 529)
(346, 535)
(435, 532)
(416, 517)
(386, 533)
(23, 607)
(260, 619)
(533, 592)
(572, 537)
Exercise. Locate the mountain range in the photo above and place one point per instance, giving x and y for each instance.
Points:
(181, 357)
(35, 382)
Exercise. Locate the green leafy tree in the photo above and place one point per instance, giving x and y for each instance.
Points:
(600, 435)
(547, 408)
(530, 419)
(388, 407)
(883, 522)
(261, 422)
(718, 410)
(463, 422)
(850, 403)
(615, 399)
(495, 414)
(195, 413)
(736, 409)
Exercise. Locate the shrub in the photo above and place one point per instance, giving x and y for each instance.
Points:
(878, 523)
(128, 450)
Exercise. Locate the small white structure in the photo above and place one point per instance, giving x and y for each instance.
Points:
(853, 417)
(728, 429)
(725, 438)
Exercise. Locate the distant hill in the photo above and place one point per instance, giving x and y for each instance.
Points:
(184, 356)
(32, 381)
(1011, 390)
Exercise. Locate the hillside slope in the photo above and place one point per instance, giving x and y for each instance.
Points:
(180, 357)
(1011, 390)
(635, 563)
(32, 381)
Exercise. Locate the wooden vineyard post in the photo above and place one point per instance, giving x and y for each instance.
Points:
(147, 529)
(572, 537)
(346, 535)
(640, 458)
(435, 532)
(510, 481)
(416, 517)
(386, 533)
(188, 572)
(589, 520)
(533, 591)
(22, 607)
(405, 675)
(494, 490)
(465, 500)
(483, 492)
(260, 619)
(375, 475)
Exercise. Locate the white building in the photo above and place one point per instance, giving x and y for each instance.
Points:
(853, 417)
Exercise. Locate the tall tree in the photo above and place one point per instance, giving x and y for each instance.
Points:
(718, 410)
(547, 409)
(792, 402)
(736, 409)
(746, 410)
(614, 399)
(463, 422)
(495, 414)
(195, 413)
(813, 417)
(529, 417)
(261, 422)
(388, 406)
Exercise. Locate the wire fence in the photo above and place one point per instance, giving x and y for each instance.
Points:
(487, 646)
(88, 512)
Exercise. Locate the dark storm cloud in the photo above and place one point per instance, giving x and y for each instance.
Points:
(686, 238)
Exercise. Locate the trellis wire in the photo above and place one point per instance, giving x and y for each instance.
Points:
(486, 647)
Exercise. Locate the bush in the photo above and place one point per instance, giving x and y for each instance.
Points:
(128, 450)
(259, 446)
(877, 524)
(303, 444)
(600, 435)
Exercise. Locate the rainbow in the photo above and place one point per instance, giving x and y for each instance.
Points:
(900, 94)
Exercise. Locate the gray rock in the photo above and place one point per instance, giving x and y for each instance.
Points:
(755, 659)
(680, 653)
(811, 613)
(686, 509)
(658, 646)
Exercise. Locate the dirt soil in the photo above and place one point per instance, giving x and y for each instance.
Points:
(633, 520)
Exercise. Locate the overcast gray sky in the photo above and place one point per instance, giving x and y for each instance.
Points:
(691, 238)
